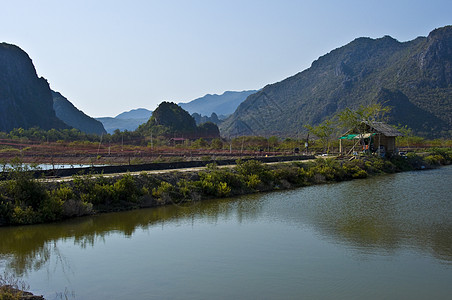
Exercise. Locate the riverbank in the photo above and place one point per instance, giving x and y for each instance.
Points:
(26, 200)
(15, 289)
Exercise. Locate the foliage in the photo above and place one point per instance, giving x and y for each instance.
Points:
(11, 288)
(26, 200)
(170, 120)
(324, 132)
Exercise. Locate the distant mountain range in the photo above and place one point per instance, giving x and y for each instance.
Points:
(129, 120)
(201, 108)
(414, 78)
(139, 113)
(224, 104)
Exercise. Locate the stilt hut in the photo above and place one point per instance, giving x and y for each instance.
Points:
(372, 137)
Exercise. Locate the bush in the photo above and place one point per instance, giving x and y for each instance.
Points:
(360, 174)
(435, 160)
(24, 216)
(11, 288)
(52, 209)
(125, 189)
(76, 208)
(25, 190)
(165, 192)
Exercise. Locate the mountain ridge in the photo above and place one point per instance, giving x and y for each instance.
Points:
(25, 99)
(72, 116)
(363, 71)
(224, 104)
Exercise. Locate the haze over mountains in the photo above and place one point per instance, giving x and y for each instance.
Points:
(414, 77)
(201, 108)
(224, 104)
(129, 120)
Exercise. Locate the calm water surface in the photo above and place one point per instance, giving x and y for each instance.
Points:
(388, 237)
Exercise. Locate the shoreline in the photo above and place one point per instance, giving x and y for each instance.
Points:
(27, 200)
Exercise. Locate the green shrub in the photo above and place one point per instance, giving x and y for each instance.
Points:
(253, 181)
(435, 159)
(51, 209)
(223, 189)
(165, 192)
(125, 189)
(25, 190)
(360, 174)
(24, 216)
(190, 190)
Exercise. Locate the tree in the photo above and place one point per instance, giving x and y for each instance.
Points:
(323, 131)
(216, 144)
(369, 114)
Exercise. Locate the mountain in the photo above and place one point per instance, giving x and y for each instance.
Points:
(139, 113)
(73, 117)
(111, 124)
(224, 104)
(204, 119)
(25, 99)
(171, 120)
(414, 78)
(129, 120)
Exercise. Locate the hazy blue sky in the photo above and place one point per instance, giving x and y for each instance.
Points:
(110, 56)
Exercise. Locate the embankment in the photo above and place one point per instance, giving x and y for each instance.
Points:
(26, 200)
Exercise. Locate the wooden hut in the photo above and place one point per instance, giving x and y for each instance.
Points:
(372, 137)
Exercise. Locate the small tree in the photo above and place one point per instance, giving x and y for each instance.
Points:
(324, 132)
(216, 144)
(369, 114)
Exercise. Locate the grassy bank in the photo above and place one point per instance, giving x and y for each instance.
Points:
(25, 200)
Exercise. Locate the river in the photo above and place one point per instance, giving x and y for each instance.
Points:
(385, 237)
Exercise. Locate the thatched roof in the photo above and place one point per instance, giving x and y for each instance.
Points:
(383, 128)
(371, 127)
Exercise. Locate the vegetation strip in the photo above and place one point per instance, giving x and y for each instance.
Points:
(161, 166)
(26, 200)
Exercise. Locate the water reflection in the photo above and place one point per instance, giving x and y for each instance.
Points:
(378, 215)
(402, 211)
(29, 248)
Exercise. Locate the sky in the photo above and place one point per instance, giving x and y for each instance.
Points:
(112, 56)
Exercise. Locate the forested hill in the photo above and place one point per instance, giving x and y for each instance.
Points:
(25, 100)
(415, 78)
(172, 121)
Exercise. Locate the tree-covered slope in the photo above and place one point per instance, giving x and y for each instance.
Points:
(73, 117)
(414, 77)
(171, 120)
(25, 100)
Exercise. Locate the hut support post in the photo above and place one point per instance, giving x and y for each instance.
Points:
(379, 135)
